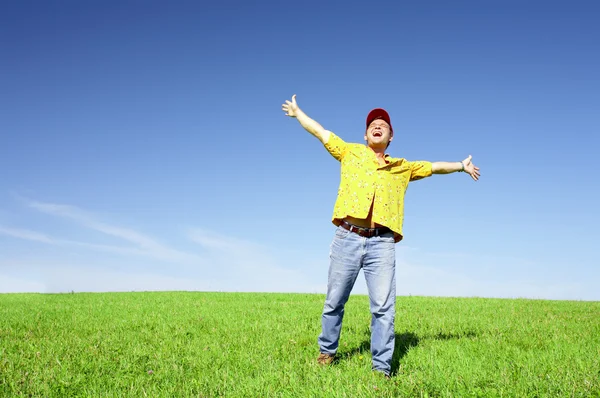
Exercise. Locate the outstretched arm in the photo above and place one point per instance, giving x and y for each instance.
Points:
(291, 109)
(451, 167)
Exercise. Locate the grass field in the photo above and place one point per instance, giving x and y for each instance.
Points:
(261, 345)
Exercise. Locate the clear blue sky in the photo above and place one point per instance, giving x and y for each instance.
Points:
(143, 146)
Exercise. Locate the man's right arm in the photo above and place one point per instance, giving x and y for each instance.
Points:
(292, 110)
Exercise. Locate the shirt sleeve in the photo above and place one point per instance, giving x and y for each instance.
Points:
(419, 169)
(337, 147)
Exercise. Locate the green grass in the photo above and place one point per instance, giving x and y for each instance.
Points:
(262, 345)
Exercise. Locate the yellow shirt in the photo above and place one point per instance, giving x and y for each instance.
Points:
(364, 182)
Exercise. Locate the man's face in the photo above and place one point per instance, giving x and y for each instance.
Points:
(378, 134)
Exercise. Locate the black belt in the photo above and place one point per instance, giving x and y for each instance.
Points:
(366, 232)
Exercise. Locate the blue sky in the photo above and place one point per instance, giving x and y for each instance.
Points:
(144, 147)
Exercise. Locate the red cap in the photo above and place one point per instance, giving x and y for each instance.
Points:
(379, 113)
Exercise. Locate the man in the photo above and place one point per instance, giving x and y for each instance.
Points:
(368, 213)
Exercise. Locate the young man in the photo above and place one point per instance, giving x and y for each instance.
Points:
(368, 213)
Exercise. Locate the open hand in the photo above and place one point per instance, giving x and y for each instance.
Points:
(470, 168)
(290, 108)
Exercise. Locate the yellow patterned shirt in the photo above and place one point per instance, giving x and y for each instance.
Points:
(364, 182)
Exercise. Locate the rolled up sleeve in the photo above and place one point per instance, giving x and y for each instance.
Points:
(420, 169)
(336, 147)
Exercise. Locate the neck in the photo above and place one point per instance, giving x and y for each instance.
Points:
(379, 151)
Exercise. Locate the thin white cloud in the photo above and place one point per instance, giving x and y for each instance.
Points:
(106, 248)
(86, 219)
(231, 264)
(143, 244)
(26, 234)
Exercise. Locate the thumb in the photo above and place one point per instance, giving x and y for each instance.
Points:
(294, 98)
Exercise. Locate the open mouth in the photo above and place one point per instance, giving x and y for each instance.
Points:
(377, 134)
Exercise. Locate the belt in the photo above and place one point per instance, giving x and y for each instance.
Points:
(366, 232)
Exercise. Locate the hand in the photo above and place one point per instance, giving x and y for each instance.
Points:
(470, 168)
(291, 108)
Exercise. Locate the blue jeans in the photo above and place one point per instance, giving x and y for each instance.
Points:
(377, 257)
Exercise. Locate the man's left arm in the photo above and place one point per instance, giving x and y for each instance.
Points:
(452, 167)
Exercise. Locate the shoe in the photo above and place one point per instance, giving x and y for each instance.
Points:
(325, 359)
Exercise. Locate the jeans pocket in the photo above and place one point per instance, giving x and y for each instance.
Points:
(387, 238)
(341, 233)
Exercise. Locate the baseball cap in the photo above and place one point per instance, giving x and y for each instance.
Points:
(379, 113)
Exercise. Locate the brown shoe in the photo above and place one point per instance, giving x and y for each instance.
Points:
(325, 359)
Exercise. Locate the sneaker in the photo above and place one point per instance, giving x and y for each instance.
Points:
(325, 359)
